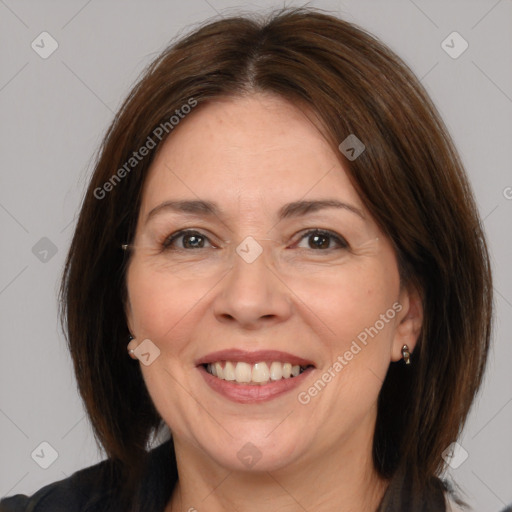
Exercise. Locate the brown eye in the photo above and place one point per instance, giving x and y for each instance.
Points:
(189, 240)
(319, 239)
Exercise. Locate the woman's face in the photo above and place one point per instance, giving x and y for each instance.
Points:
(287, 299)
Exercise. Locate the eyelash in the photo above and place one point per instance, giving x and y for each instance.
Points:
(167, 243)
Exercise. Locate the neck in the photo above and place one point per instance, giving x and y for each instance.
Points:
(337, 480)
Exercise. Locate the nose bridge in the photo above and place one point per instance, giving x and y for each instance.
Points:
(251, 289)
(250, 271)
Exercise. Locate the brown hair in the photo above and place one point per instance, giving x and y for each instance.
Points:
(410, 177)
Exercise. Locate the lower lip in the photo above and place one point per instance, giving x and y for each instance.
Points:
(246, 393)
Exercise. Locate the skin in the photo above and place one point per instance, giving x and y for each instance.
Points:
(251, 155)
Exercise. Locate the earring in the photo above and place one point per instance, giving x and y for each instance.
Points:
(406, 354)
(131, 352)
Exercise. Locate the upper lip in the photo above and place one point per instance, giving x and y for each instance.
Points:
(253, 357)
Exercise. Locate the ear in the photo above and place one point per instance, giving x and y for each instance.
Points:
(408, 321)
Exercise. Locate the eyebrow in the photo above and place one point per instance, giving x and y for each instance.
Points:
(289, 210)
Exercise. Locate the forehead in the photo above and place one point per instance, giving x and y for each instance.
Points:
(254, 151)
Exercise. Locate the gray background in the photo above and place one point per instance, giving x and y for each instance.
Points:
(54, 113)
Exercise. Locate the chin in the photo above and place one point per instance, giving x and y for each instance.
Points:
(256, 453)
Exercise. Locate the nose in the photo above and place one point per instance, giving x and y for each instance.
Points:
(252, 295)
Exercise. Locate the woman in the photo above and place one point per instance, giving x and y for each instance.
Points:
(281, 233)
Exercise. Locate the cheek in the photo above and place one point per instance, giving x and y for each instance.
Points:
(351, 301)
(358, 319)
(161, 302)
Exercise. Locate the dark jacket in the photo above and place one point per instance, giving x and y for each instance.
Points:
(85, 490)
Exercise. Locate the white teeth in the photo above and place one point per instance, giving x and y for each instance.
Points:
(219, 372)
(229, 371)
(243, 372)
(276, 371)
(258, 373)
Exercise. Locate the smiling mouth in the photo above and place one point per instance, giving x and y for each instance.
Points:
(240, 372)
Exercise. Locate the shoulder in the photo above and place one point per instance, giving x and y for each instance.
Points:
(93, 489)
(79, 492)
